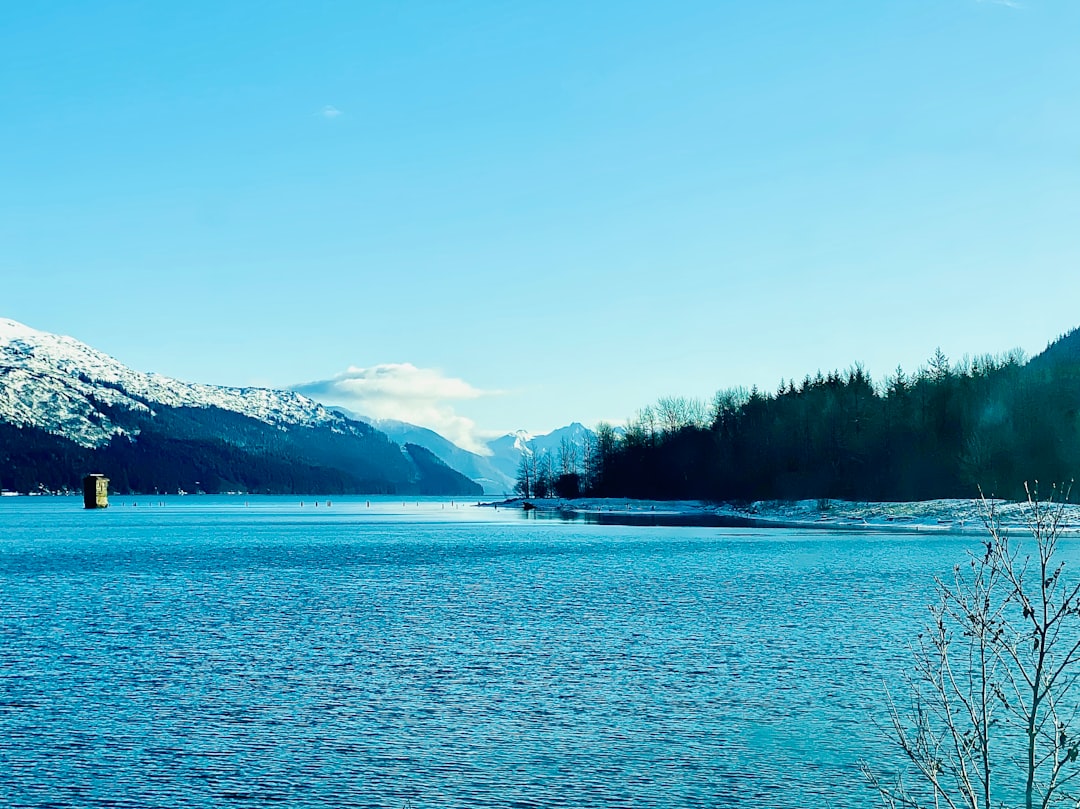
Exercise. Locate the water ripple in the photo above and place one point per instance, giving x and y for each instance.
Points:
(223, 659)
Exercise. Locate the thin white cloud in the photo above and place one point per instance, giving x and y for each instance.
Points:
(404, 392)
(330, 112)
(1007, 3)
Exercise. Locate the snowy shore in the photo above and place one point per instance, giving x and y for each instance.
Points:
(929, 516)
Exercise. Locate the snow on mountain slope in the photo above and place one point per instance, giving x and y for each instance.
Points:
(522, 439)
(66, 387)
(476, 467)
(506, 450)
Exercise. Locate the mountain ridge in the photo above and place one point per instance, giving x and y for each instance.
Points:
(476, 467)
(82, 377)
(237, 438)
(496, 472)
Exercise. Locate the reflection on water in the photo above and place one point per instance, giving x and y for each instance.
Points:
(644, 518)
(230, 652)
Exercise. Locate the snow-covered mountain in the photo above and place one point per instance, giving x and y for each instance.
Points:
(497, 471)
(65, 387)
(66, 407)
(506, 450)
(478, 468)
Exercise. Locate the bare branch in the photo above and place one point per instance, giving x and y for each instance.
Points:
(994, 677)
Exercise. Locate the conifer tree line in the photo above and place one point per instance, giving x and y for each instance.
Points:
(942, 431)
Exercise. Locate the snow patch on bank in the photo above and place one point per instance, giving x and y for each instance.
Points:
(928, 515)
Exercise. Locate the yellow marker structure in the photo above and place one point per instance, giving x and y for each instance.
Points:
(95, 489)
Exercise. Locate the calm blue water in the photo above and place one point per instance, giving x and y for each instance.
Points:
(250, 652)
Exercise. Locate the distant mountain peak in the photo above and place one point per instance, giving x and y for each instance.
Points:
(521, 440)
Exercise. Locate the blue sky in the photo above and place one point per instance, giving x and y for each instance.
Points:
(502, 215)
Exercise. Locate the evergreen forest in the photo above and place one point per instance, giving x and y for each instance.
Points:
(946, 430)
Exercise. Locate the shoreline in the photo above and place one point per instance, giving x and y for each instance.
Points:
(928, 516)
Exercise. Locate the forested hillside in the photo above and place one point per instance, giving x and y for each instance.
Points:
(213, 450)
(942, 431)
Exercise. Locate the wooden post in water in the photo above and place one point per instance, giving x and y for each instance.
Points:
(95, 491)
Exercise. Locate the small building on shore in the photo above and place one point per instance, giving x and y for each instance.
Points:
(95, 491)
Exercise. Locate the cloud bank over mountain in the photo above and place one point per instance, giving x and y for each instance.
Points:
(404, 392)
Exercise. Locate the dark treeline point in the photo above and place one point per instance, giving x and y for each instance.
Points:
(942, 431)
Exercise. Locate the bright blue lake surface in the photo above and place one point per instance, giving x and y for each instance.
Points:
(250, 652)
